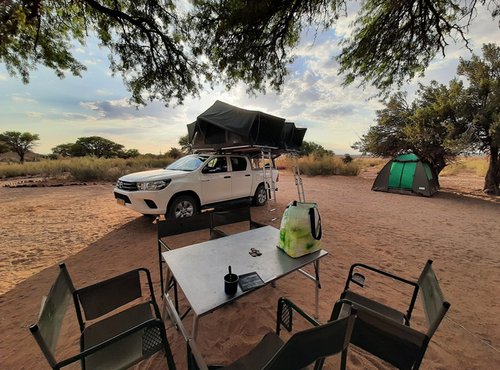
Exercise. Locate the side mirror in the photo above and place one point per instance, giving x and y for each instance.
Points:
(358, 279)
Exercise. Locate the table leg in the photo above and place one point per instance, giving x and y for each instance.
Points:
(194, 333)
(165, 293)
(166, 309)
(317, 283)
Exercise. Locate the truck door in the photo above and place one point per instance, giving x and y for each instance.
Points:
(215, 180)
(241, 177)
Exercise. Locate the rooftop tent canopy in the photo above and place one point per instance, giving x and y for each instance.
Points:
(292, 136)
(225, 126)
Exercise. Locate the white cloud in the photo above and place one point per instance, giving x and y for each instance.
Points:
(23, 99)
(34, 114)
(103, 92)
(92, 62)
(3, 77)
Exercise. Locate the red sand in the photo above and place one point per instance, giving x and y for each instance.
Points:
(83, 226)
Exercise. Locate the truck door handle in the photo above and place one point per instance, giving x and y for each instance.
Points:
(206, 180)
(247, 175)
(227, 177)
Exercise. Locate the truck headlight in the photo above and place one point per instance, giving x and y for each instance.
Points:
(153, 185)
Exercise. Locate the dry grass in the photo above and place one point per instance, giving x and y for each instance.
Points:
(474, 165)
(83, 169)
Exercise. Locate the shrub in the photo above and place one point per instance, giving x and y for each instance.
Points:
(327, 166)
(347, 158)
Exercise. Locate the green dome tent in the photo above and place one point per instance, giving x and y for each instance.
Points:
(407, 174)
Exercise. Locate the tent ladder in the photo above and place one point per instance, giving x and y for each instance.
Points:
(269, 183)
(298, 183)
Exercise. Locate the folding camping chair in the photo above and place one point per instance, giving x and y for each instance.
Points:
(302, 349)
(172, 227)
(385, 331)
(119, 324)
(231, 216)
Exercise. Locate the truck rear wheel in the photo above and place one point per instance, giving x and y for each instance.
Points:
(260, 197)
(182, 206)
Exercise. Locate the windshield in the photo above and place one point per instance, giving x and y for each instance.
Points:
(188, 163)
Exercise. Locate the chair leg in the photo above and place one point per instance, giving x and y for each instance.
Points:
(319, 364)
(343, 360)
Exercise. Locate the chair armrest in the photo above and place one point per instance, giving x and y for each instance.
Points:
(284, 316)
(414, 284)
(378, 271)
(89, 351)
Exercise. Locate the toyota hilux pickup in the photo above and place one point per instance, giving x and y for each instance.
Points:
(196, 182)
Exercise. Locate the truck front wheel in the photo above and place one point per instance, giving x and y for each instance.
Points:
(182, 206)
(260, 197)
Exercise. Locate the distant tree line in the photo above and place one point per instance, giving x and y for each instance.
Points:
(23, 142)
(94, 146)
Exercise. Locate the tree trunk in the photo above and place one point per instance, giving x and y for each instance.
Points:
(492, 179)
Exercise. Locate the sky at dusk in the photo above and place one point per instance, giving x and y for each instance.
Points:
(61, 111)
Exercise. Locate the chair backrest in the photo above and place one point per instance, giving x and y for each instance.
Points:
(46, 331)
(234, 215)
(183, 225)
(435, 306)
(307, 346)
(172, 227)
(108, 295)
(231, 216)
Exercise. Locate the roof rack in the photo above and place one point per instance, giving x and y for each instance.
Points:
(250, 150)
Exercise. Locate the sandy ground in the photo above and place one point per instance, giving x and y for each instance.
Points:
(83, 226)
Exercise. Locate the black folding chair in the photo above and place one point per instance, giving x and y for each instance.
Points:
(172, 227)
(385, 331)
(231, 216)
(302, 349)
(120, 325)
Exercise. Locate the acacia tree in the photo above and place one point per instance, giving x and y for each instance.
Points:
(146, 40)
(445, 121)
(482, 109)
(186, 146)
(3, 148)
(425, 127)
(392, 41)
(165, 50)
(63, 150)
(19, 142)
(312, 148)
(96, 146)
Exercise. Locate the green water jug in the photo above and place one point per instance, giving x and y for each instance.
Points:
(300, 231)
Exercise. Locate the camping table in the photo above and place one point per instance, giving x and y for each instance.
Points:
(199, 269)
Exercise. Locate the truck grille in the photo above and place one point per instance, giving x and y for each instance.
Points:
(126, 185)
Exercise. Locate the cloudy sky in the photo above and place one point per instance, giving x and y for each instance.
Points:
(61, 111)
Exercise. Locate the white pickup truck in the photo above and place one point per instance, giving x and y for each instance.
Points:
(195, 182)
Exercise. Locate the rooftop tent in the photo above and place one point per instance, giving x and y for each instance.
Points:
(225, 126)
(292, 136)
(407, 174)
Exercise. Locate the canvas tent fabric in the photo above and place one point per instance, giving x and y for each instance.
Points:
(226, 126)
(407, 174)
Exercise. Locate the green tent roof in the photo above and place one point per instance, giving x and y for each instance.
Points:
(410, 157)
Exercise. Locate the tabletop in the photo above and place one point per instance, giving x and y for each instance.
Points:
(199, 269)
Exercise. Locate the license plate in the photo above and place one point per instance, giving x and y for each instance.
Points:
(120, 201)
